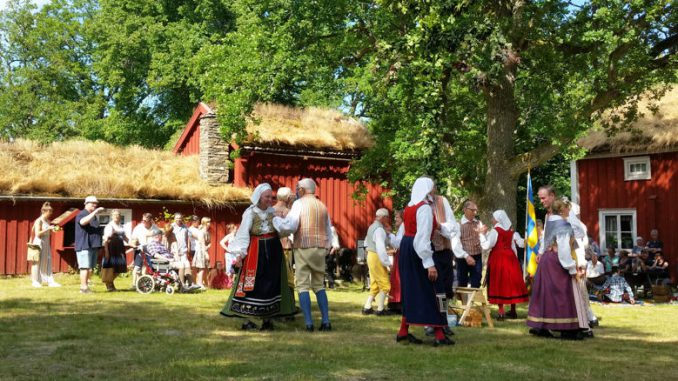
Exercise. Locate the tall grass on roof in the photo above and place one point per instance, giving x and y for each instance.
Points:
(78, 168)
(310, 127)
(655, 129)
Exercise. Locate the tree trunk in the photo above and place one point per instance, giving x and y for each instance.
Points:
(500, 188)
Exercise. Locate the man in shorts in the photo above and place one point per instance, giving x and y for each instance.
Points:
(88, 240)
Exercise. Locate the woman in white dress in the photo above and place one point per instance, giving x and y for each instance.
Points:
(41, 269)
(201, 258)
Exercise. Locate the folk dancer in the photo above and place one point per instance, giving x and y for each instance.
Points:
(420, 304)
(470, 260)
(582, 242)
(504, 276)
(553, 305)
(394, 297)
(310, 223)
(378, 263)
(285, 198)
(260, 288)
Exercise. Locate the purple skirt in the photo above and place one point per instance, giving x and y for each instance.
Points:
(552, 305)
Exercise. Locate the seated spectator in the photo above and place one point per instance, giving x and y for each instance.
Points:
(639, 275)
(595, 272)
(654, 245)
(625, 262)
(594, 246)
(607, 260)
(616, 289)
(638, 247)
(659, 269)
(156, 249)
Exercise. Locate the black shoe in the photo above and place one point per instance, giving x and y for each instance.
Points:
(410, 339)
(309, 328)
(367, 311)
(594, 323)
(589, 334)
(572, 335)
(500, 317)
(445, 341)
(267, 325)
(540, 332)
(448, 331)
(511, 315)
(383, 313)
(325, 327)
(248, 326)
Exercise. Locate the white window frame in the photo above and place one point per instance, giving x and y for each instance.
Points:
(602, 213)
(629, 176)
(126, 215)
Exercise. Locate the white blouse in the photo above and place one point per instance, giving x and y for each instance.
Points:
(422, 240)
(451, 230)
(564, 249)
(240, 243)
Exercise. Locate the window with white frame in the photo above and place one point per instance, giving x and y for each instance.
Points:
(637, 168)
(125, 219)
(617, 228)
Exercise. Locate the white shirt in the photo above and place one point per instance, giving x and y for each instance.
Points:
(491, 240)
(594, 271)
(379, 239)
(241, 242)
(422, 240)
(450, 229)
(290, 223)
(581, 236)
(141, 234)
(564, 249)
(394, 239)
(193, 232)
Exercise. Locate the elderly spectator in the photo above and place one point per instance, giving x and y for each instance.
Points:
(114, 261)
(654, 245)
(88, 240)
(141, 235)
(638, 247)
(659, 269)
(594, 246)
(640, 274)
(595, 272)
(616, 289)
(607, 259)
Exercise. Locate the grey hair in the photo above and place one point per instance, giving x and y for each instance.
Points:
(307, 184)
(283, 193)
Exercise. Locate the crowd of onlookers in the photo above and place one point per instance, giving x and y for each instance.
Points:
(618, 275)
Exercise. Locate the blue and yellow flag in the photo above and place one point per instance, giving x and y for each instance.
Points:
(531, 235)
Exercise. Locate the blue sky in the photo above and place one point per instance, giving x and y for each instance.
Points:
(39, 3)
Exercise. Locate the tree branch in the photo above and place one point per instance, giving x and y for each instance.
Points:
(667, 43)
(519, 164)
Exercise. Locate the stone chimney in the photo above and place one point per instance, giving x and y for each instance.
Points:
(213, 151)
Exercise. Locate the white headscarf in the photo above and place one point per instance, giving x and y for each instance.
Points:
(256, 195)
(421, 188)
(502, 219)
(574, 209)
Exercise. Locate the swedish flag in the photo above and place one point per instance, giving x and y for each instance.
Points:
(531, 235)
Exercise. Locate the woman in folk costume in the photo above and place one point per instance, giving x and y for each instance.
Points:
(582, 242)
(418, 274)
(505, 277)
(260, 289)
(555, 301)
(394, 296)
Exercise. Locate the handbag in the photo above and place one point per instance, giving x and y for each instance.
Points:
(32, 250)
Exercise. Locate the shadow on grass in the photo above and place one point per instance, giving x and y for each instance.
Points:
(130, 336)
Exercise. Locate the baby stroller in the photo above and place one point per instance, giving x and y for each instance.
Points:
(160, 277)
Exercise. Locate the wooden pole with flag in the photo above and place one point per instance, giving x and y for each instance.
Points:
(531, 234)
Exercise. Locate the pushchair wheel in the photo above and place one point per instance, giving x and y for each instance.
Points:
(169, 290)
(145, 284)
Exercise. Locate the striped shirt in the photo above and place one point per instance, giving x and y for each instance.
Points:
(310, 223)
(470, 239)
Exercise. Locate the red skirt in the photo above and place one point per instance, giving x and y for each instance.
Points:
(394, 294)
(505, 280)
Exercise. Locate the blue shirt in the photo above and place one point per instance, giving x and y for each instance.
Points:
(87, 236)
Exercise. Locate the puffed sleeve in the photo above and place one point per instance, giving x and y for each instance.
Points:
(394, 239)
(565, 253)
(422, 240)
(517, 241)
(239, 244)
(289, 224)
(489, 241)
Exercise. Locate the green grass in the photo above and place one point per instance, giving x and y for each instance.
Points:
(63, 335)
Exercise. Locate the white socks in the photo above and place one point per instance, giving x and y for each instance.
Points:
(368, 303)
(381, 298)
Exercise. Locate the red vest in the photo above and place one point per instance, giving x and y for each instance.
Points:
(410, 219)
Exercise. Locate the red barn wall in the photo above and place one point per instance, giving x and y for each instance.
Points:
(16, 220)
(350, 217)
(602, 186)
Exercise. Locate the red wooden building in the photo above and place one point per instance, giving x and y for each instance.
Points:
(627, 185)
(287, 145)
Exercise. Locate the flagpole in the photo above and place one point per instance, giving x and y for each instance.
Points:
(527, 217)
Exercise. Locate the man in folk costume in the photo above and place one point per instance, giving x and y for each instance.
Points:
(553, 305)
(582, 241)
(470, 259)
(282, 207)
(505, 283)
(310, 223)
(378, 263)
(260, 289)
(418, 273)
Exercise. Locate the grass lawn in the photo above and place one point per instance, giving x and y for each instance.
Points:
(63, 335)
